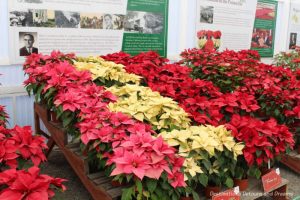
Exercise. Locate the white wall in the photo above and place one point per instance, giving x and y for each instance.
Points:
(182, 16)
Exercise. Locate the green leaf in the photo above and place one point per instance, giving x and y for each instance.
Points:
(195, 196)
(229, 182)
(67, 121)
(127, 193)
(139, 186)
(203, 179)
(151, 185)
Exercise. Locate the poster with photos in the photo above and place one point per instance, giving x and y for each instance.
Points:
(86, 27)
(234, 19)
(263, 35)
(293, 41)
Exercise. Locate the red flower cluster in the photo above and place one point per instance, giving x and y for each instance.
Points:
(19, 143)
(28, 185)
(77, 93)
(263, 140)
(276, 89)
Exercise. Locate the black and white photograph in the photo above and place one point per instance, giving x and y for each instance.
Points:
(28, 43)
(144, 22)
(293, 41)
(21, 18)
(66, 19)
(42, 18)
(91, 21)
(207, 14)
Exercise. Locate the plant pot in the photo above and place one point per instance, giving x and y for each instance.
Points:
(186, 198)
(117, 184)
(265, 170)
(211, 191)
(242, 183)
(53, 117)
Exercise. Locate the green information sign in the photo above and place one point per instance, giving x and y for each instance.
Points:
(146, 27)
(264, 28)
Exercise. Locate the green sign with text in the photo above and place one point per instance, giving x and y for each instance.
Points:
(146, 27)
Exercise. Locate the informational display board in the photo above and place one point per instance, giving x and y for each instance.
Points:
(90, 27)
(146, 26)
(234, 18)
(264, 28)
(294, 26)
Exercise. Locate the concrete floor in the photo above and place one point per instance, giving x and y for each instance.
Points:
(57, 166)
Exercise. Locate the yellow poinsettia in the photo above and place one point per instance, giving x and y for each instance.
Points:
(145, 105)
(194, 140)
(191, 167)
(105, 69)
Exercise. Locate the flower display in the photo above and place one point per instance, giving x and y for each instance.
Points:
(30, 185)
(109, 71)
(202, 146)
(289, 60)
(264, 140)
(19, 144)
(144, 104)
(83, 105)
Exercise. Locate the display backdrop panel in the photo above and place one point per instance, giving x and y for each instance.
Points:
(234, 18)
(91, 27)
(294, 26)
(263, 35)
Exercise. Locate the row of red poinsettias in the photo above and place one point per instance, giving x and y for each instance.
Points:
(206, 104)
(20, 149)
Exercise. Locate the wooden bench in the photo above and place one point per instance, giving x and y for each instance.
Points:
(292, 160)
(98, 185)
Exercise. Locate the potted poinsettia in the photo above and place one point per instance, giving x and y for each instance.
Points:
(264, 141)
(210, 154)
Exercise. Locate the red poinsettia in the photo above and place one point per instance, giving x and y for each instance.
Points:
(264, 140)
(28, 185)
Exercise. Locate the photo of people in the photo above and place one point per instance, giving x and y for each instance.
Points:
(91, 21)
(108, 21)
(26, 42)
(262, 38)
(66, 19)
(265, 11)
(144, 22)
(21, 18)
(207, 14)
(43, 18)
(293, 41)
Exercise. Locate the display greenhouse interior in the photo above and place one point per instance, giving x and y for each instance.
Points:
(149, 99)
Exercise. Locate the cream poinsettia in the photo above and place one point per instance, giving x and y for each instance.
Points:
(145, 105)
(196, 140)
(106, 69)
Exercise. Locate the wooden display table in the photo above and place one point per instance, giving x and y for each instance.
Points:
(98, 185)
(292, 161)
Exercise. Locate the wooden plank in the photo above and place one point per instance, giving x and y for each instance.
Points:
(96, 175)
(102, 180)
(115, 192)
